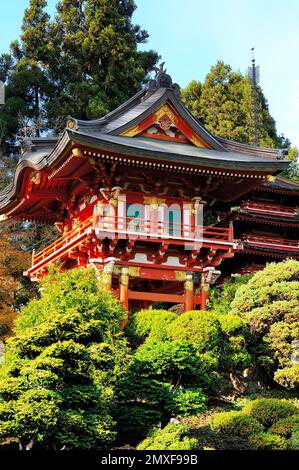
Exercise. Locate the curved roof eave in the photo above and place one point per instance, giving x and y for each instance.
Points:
(172, 152)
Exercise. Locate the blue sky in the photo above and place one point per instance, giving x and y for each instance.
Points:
(191, 35)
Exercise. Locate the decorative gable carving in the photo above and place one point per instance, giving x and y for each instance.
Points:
(166, 124)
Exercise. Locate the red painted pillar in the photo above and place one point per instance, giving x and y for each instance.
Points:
(124, 287)
(189, 292)
(204, 296)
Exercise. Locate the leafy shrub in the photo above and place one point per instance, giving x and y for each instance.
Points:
(294, 440)
(162, 377)
(233, 325)
(236, 423)
(189, 401)
(134, 420)
(221, 297)
(269, 303)
(235, 355)
(267, 441)
(199, 328)
(56, 385)
(149, 325)
(172, 437)
(288, 377)
(286, 426)
(269, 410)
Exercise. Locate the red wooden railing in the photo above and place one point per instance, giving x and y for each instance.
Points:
(128, 227)
(70, 238)
(139, 228)
(275, 243)
(269, 209)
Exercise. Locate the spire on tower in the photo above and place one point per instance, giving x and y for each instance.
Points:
(254, 75)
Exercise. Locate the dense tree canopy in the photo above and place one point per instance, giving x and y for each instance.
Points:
(224, 103)
(84, 62)
(57, 381)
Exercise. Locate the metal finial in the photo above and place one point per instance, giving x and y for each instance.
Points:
(254, 75)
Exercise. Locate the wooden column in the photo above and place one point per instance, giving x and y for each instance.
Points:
(124, 287)
(189, 292)
(204, 295)
(106, 281)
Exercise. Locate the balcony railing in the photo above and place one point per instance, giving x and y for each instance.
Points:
(145, 229)
(269, 209)
(70, 240)
(132, 228)
(271, 243)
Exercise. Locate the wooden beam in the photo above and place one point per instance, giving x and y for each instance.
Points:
(154, 297)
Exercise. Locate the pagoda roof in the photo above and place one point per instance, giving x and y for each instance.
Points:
(119, 132)
(281, 184)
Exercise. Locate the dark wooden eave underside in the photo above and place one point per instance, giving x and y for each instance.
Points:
(170, 156)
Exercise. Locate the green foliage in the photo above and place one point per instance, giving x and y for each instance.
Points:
(149, 325)
(294, 440)
(235, 354)
(267, 441)
(202, 329)
(270, 410)
(85, 61)
(223, 102)
(56, 385)
(221, 297)
(188, 401)
(292, 171)
(262, 423)
(233, 325)
(288, 377)
(286, 426)
(172, 437)
(236, 423)
(269, 303)
(165, 379)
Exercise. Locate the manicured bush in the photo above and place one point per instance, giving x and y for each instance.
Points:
(269, 410)
(286, 426)
(188, 401)
(149, 325)
(56, 385)
(235, 355)
(269, 303)
(233, 325)
(199, 328)
(294, 441)
(172, 437)
(221, 297)
(134, 420)
(164, 377)
(288, 377)
(236, 423)
(268, 441)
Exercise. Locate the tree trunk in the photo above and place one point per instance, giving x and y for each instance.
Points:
(30, 444)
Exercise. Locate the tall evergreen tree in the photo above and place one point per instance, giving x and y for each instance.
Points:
(84, 62)
(28, 84)
(99, 66)
(224, 103)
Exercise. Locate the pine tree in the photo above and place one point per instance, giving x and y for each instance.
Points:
(29, 77)
(99, 66)
(224, 103)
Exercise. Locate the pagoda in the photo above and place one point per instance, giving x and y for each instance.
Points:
(267, 223)
(144, 195)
